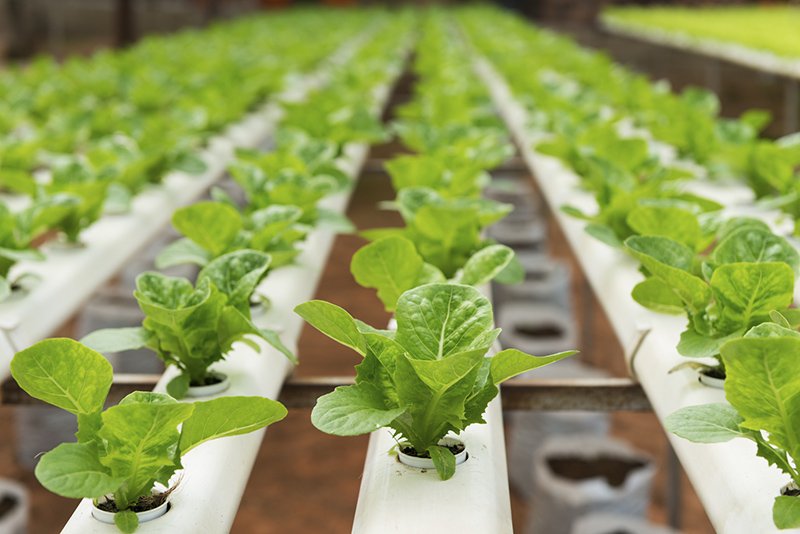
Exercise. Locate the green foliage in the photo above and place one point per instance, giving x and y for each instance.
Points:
(429, 378)
(764, 395)
(770, 28)
(445, 232)
(191, 327)
(123, 451)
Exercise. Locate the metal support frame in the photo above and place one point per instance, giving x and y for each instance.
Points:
(596, 395)
(792, 106)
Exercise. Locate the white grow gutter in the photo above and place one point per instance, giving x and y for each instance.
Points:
(215, 475)
(70, 276)
(397, 499)
(736, 488)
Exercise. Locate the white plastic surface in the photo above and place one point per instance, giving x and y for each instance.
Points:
(398, 499)
(215, 475)
(739, 54)
(736, 487)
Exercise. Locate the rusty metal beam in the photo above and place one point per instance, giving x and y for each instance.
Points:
(595, 395)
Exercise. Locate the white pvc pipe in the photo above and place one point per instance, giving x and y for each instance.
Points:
(215, 475)
(735, 486)
(395, 498)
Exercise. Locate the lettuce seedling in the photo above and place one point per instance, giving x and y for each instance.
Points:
(213, 229)
(448, 178)
(484, 147)
(749, 274)
(429, 378)
(445, 232)
(763, 390)
(192, 327)
(122, 453)
(392, 266)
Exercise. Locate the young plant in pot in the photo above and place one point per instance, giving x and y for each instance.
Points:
(429, 378)
(212, 229)
(125, 453)
(22, 231)
(749, 274)
(392, 266)
(192, 327)
(763, 389)
(445, 232)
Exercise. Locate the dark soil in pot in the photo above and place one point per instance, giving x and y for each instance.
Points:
(613, 469)
(143, 504)
(208, 380)
(714, 373)
(791, 492)
(7, 504)
(455, 448)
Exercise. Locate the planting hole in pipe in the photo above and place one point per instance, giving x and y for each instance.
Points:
(711, 378)
(7, 505)
(790, 490)
(146, 507)
(407, 455)
(214, 383)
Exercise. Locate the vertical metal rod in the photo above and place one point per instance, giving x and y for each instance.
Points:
(792, 106)
(587, 322)
(124, 22)
(714, 75)
(674, 489)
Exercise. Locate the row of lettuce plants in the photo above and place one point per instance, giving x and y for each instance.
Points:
(430, 376)
(733, 278)
(126, 456)
(770, 29)
(79, 139)
(695, 260)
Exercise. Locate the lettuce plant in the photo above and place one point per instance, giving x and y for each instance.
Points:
(392, 266)
(124, 453)
(213, 229)
(192, 327)
(763, 389)
(749, 274)
(20, 230)
(445, 232)
(448, 179)
(286, 186)
(430, 377)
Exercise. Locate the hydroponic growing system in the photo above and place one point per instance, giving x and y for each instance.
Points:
(249, 137)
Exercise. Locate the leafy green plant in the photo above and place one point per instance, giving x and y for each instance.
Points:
(445, 232)
(771, 28)
(392, 266)
(213, 229)
(429, 378)
(748, 275)
(192, 327)
(125, 452)
(451, 181)
(762, 387)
